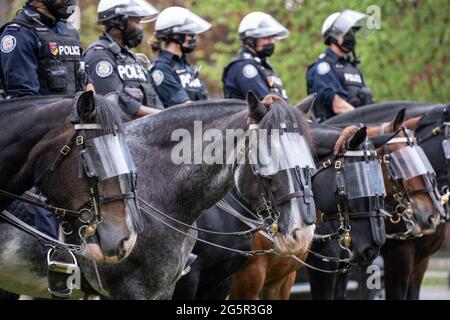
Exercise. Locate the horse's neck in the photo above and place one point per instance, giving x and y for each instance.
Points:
(182, 189)
(21, 131)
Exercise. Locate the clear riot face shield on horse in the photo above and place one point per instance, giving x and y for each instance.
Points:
(107, 157)
(287, 154)
(404, 165)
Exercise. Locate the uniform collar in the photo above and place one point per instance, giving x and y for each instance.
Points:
(50, 23)
(247, 51)
(111, 39)
(334, 56)
(169, 56)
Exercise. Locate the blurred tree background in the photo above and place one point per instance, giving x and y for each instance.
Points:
(408, 58)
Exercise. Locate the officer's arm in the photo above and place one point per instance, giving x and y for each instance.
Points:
(340, 105)
(325, 82)
(166, 84)
(101, 68)
(19, 51)
(248, 78)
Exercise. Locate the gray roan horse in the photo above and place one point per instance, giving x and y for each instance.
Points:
(54, 165)
(182, 192)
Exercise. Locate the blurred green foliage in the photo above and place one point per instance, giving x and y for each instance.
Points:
(408, 58)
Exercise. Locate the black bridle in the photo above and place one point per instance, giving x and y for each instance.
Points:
(89, 214)
(344, 214)
(403, 210)
(442, 128)
(268, 209)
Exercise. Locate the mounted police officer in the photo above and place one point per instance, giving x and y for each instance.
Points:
(175, 80)
(250, 69)
(335, 75)
(112, 66)
(40, 53)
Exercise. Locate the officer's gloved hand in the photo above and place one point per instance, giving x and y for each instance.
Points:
(365, 96)
(355, 102)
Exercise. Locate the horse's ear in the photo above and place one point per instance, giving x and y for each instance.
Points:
(86, 106)
(399, 119)
(307, 103)
(358, 138)
(256, 110)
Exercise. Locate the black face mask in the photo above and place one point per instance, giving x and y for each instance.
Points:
(133, 38)
(267, 50)
(349, 43)
(60, 11)
(191, 47)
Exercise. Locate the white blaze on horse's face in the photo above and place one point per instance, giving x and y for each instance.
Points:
(296, 236)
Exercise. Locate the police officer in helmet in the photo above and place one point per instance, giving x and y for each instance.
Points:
(175, 80)
(40, 53)
(335, 75)
(250, 69)
(113, 67)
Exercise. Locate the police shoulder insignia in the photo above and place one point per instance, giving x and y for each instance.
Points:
(104, 69)
(8, 44)
(158, 77)
(249, 71)
(323, 68)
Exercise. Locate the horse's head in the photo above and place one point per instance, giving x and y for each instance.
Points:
(412, 196)
(85, 166)
(350, 192)
(432, 131)
(276, 179)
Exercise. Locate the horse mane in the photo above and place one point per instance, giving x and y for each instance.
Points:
(279, 111)
(109, 115)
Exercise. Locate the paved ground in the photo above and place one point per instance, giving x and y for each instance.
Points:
(435, 293)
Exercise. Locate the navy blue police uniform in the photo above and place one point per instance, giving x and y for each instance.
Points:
(114, 68)
(332, 74)
(40, 57)
(176, 81)
(249, 72)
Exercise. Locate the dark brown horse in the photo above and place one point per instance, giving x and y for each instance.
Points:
(407, 260)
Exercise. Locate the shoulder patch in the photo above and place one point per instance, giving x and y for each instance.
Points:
(323, 68)
(322, 55)
(8, 44)
(247, 55)
(249, 71)
(104, 69)
(158, 77)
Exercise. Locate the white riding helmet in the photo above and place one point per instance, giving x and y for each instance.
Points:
(180, 20)
(110, 9)
(341, 22)
(260, 25)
